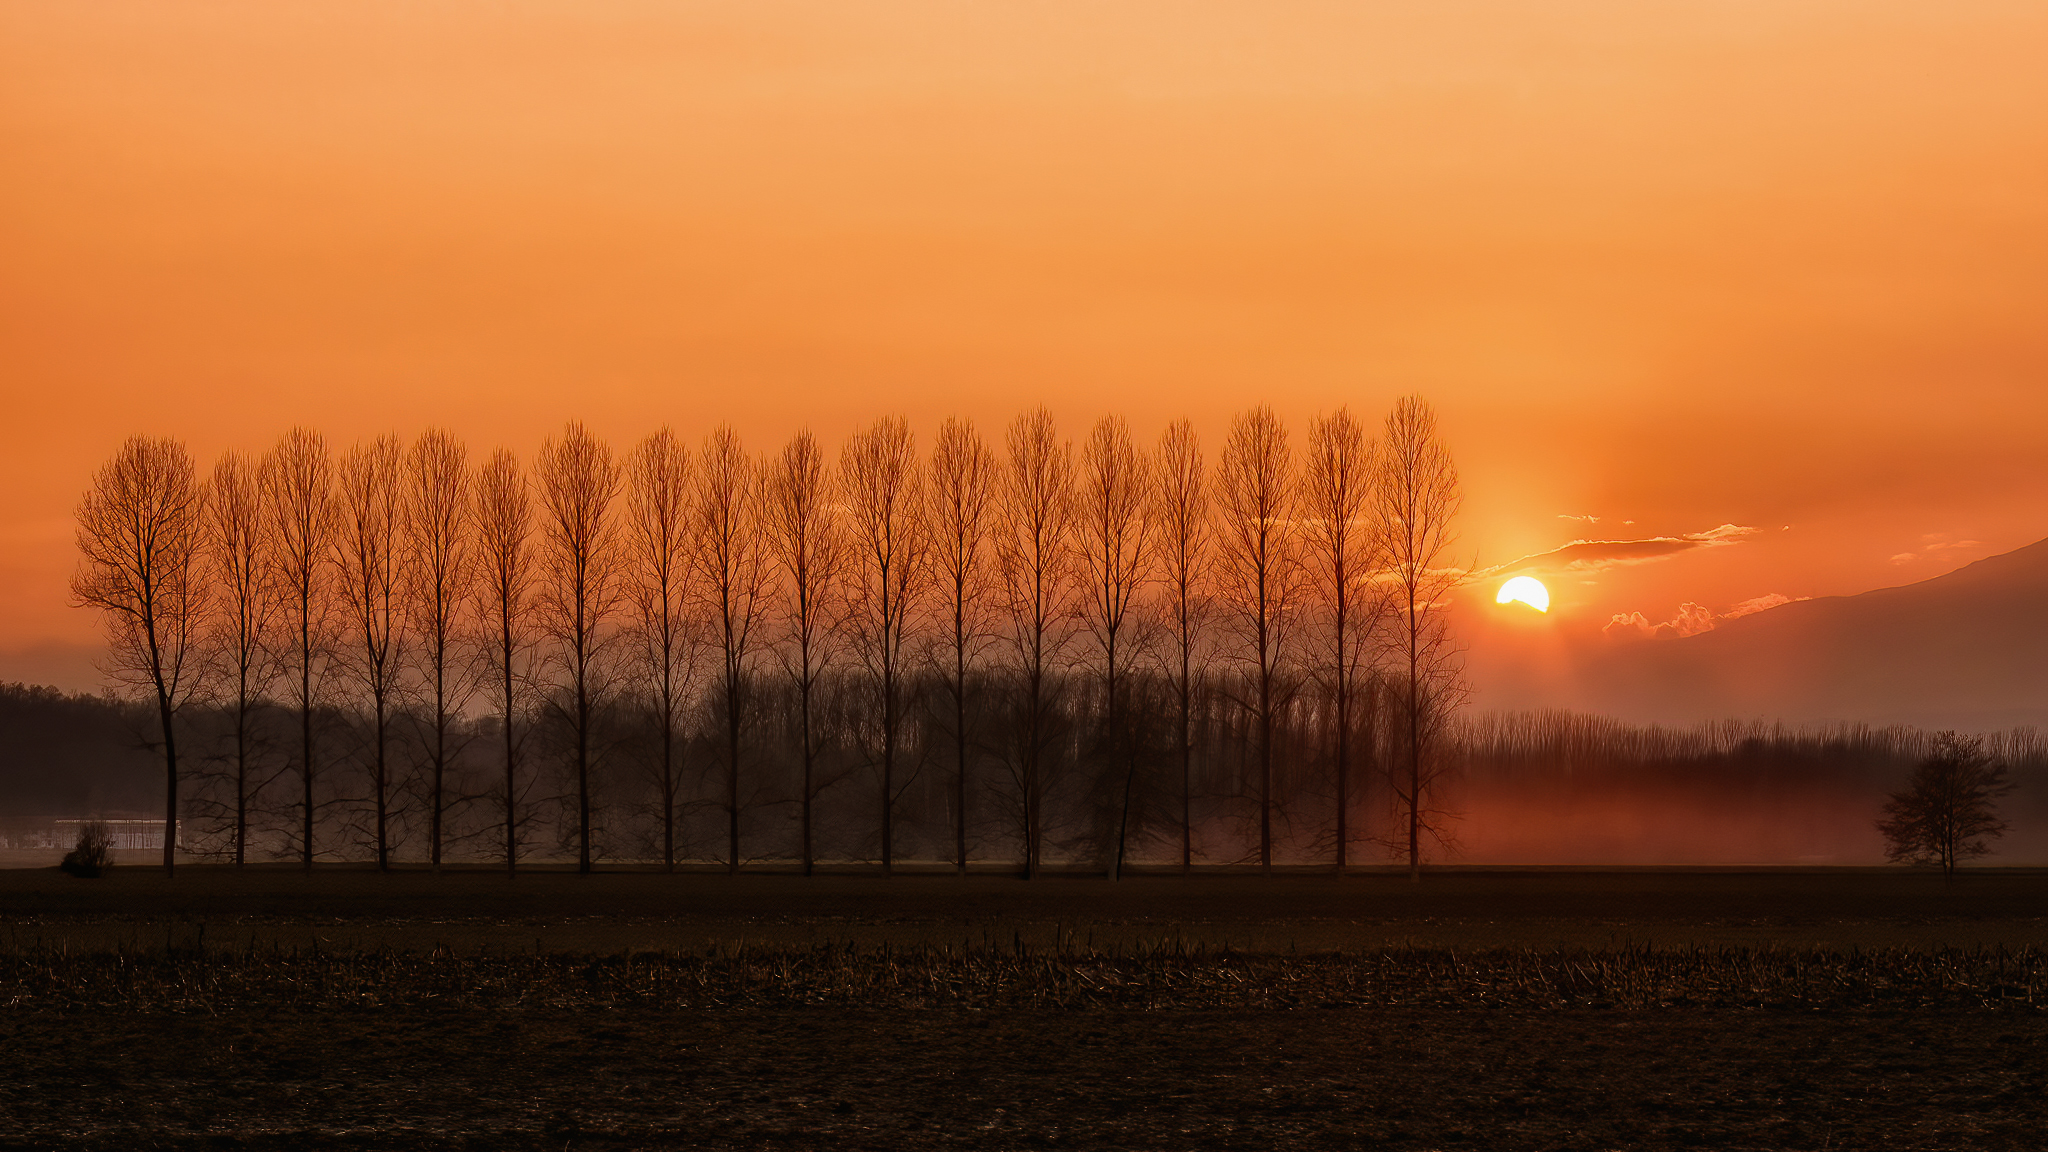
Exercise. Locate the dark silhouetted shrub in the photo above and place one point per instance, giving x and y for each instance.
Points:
(94, 852)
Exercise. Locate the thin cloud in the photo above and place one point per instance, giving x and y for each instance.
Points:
(1935, 546)
(1600, 555)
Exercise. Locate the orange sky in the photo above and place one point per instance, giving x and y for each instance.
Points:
(1689, 265)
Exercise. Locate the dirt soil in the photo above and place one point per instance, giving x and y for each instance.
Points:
(1194, 1080)
(1452, 908)
(468, 1075)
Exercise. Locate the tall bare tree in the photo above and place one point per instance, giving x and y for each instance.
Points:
(297, 481)
(658, 531)
(440, 541)
(1415, 499)
(504, 522)
(580, 589)
(1034, 551)
(1114, 534)
(960, 502)
(1182, 513)
(1255, 495)
(809, 544)
(371, 585)
(1336, 502)
(141, 528)
(883, 489)
(238, 550)
(734, 584)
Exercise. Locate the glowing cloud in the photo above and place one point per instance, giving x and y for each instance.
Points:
(1693, 619)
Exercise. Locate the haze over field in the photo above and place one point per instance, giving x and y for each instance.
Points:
(1745, 297)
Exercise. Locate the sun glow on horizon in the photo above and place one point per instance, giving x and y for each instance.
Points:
(1526, 589)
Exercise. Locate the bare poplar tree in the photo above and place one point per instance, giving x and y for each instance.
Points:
(1182, 512)
(1336, 502)
(1255, 494)
(882, 485)
(960, 502)
(1415, 498)
(141, 528)
(371, 587)
(238, 550)
(809, 544)
(297, 482)
(440, 541)
(580, 588)
(1034, 551)
(504, 519)
(1114, 536)
(734, 583)
(658, 529)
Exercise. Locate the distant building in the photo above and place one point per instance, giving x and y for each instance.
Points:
(129, 835)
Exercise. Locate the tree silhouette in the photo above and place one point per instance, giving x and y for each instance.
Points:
(1034, 549)
(961, 498)
(809, 543)
(440, 539)
(1184, 530)
(371, 585)
(504, 515)
(1260, 562)
(1948, 812)
(882, 487)
(1415, 498)
(580, 592)
(1336, 491)
(1115, 549)
(238, 551)
(659, 571)
(297, 479)
(734, 585)
(141, 528)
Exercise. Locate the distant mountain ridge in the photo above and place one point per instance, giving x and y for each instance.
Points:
(1968, 650)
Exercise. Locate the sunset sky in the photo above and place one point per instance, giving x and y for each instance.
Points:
(1763, 287)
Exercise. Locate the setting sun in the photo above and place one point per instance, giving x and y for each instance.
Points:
(1526, 589)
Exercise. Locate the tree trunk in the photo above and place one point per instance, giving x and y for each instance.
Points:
(960, 746)
(810, 794)
(242, 780)
(306, 766)
(732, 773)
(511, 771)
(582, 774)
(165, 714)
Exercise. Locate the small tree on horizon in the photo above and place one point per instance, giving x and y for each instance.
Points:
(1948, 811)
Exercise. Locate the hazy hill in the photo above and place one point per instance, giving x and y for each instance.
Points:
(1965, 650)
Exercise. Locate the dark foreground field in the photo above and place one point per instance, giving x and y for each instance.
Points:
(1486, 1010)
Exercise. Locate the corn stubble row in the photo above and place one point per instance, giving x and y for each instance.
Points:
(984, 975)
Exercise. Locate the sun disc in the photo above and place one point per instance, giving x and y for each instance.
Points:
(1527, 589)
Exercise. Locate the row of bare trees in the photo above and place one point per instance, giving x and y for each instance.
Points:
(1113, 630)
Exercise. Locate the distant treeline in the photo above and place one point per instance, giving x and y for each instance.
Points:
(1575, 751)
(1547, 775)
(65, 755)
(1576, 788)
